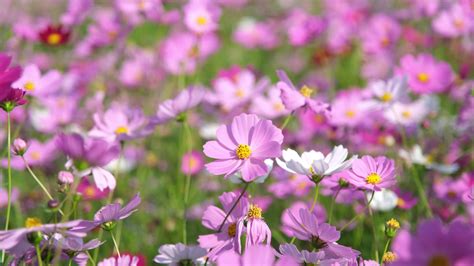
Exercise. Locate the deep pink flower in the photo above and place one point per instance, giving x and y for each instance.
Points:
(372, 173)
(7, 75)
(256, 229)
(426, 74)
(243, 146)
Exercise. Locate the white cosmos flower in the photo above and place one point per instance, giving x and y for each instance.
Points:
(384, 200)
(416, 156)
(175, 254)
(315, 163)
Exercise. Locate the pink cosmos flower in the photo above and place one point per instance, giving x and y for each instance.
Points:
(224, 238)
(287, 222)
(303, 27)
(37, 85)
(411, 113)
(256, 229)
(192, 163)
(119, 124)
(243, 146)
(381, 34)
(294, 99)
(322, 236)
(349, 109)
(124, 260)
(201, 16)
(453, 22)
(262, 255)
(372, 173)
(269, 106)
(174, 108)
(76, 12)
(435, 244)
(426, 74)
(235, 87)
(7, 74)
(256, 34)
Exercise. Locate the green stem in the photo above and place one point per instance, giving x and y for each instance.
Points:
(374, 232)
(233, 207)
(315, 199)
(9, 204)
(90, 258)
(287, 120)
(45, 190)
(115, 244)
(355, 217)
(385, 249)
(331, 208)
(38, 255)
(187, 185)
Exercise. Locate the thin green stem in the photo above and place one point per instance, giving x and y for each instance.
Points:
(187, 185)
(45, 190)
(385, 249)
(287, 120)
(315, 199)
(38, 255)
(90, 258)
(331, 208)
(233, 206)
(9, 204)
(374, 231)
(115, 244)
(356, 216)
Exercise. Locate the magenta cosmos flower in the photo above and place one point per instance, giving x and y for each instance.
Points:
(243, 146)
(294, 99)
(372, 173)
(435, 244)
(425, 73)
(225, 236)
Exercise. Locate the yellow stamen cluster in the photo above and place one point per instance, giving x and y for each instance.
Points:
(232, 230)
(373, 179)
(35, 155)
(32, 222)
(423, 77)
(54, 38)
(121, 130)
(306, 91)
(389, 257)
(243, 151)
(350, 113)
(201, 20)
(393, 224)
(386, 97)
(239, 93)
(254, 212)
(29, 86)
(406, 114)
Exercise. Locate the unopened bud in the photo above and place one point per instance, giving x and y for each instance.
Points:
(19, 147)
(391, 227)
(65, 177)
(53, 204)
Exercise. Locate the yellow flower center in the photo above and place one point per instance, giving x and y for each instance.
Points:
(386, 97)
(192, 162)
(121, 130)
(239, 93)
(306, 91)
(406, 114)
(401, 202)
(35, 155)
(319, 118)
(439, 260)
(232, 230)
(32, 222)
(350, 113)
(254, 212)
(373, 179)
(385, 42)
(459, 23)
(201, 20)
(423, 77)
(89, 192)
(141, 4)
(243, 151)
(193, 52)
(301, 186)
(278, 107)
(392, 223)
(389, 257)
(29, 86)
(54, 38)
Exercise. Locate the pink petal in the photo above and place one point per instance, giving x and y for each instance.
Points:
(214, 149)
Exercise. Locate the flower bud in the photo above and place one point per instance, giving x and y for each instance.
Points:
(65, 177)
(19, 147)
(391, 227)
(108, 226)
(53, 204)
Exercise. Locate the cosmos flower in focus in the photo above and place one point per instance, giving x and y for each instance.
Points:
(107, 215)
(54, 35)
(373, 173)
(243, 146)
(256, 229)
